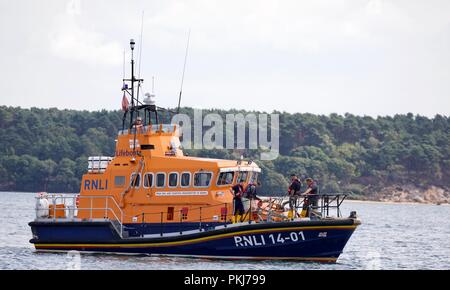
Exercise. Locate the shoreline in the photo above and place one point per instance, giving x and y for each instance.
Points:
(350, 200)
(394, 202)
(347, 199)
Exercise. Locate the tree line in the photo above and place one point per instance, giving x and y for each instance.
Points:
(47, 149)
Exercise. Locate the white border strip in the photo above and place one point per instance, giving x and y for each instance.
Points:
(242, 168)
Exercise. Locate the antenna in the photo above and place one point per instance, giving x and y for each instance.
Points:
(184, 69)
(140, 45)
(153, 85)
(124, 105)
(124, 66)
(140, 58)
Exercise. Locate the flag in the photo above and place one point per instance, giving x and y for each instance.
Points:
(124, 103)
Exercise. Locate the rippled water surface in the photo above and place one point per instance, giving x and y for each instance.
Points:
(392, 236)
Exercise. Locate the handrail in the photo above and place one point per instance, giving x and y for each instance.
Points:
(325, 203)
(132, 182)
(201, 219)
(53, 198)
(274, 208)
(191, 209)
(150, 129)
(322, 209)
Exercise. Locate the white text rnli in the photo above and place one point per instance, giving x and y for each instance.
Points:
(272, 239)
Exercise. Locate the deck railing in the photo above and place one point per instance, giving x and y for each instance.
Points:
(223, 217)
(316, 206)
(150, 129)
(326, 205)
(64, 207)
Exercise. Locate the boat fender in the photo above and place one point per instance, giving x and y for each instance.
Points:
(42, 205)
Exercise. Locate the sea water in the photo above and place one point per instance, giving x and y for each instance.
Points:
(391, 236)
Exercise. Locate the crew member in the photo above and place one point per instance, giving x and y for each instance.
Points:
(251, 191)
(138, 124)
(237, 191)
(254, 201)
(311, 201)
(294, 191)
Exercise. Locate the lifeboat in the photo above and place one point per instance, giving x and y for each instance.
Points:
(151, 199)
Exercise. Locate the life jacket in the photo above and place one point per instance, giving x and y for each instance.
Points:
(238, 194)
(295, 183)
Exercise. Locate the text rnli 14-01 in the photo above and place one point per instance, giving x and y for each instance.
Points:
(261, 240)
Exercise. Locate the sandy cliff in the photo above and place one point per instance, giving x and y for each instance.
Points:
(411, 193)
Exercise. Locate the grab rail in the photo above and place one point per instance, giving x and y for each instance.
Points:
(201, 219)
(112, 209)
(319, 205)
(150, 129)
(274, 209)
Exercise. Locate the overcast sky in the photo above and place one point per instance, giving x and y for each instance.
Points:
(365, 57)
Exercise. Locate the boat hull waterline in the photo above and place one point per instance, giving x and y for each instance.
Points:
(320, 241)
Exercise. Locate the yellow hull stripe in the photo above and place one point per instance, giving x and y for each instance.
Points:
(184, 242)
(309, 259)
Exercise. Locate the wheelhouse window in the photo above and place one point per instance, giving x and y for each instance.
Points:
(202, 179)
(185, 179)
(173, 179)
(119, 181)
(148, 180)
(253, 177)
(225, 178)
(242, 176)
(160, 180)
(135, 180)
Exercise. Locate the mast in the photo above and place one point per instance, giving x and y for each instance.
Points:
(124, 87)
(147, 104)
(130, 90)
(184, 69)
(132, 43)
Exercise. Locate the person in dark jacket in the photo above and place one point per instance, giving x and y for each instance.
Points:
(294, 191)
(238, 206)
(251, 191)
(312, 199)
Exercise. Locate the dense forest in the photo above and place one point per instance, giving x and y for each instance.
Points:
(47, 149)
